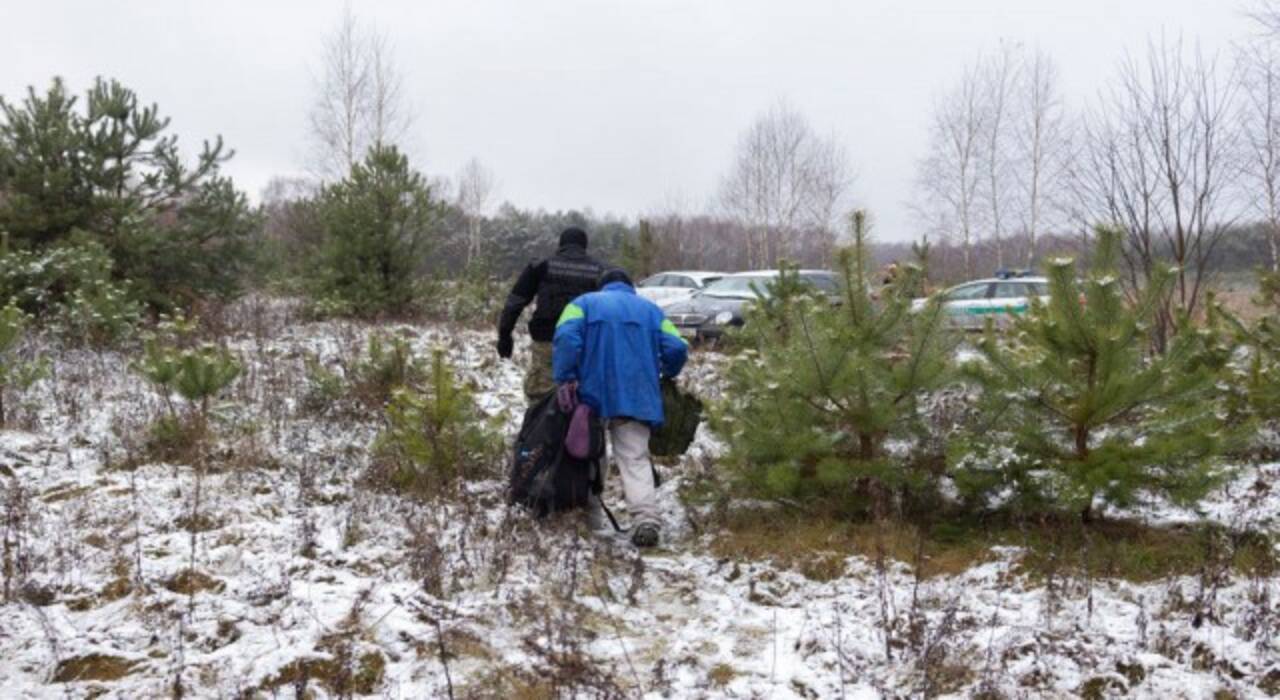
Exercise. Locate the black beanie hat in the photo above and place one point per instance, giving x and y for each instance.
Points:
(616, 274)
(573, 236)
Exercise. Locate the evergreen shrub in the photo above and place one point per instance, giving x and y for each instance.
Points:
(822, 388)
(435, 435)
(1078, 412)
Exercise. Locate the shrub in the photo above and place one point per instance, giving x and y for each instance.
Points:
(198, 376)
(473, 299)
(325, 388)
(70, 288)
(821, 388)
(378, 225)
(14, 373)
(106, 167)
(1255, 381)
(1087, 413)
(435, 435)
(388, 364)
(199, 251)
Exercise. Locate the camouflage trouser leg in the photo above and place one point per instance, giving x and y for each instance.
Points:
(537, 379)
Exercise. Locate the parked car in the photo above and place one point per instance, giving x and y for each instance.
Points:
(666, 288)
(969, 305)
(722, 304)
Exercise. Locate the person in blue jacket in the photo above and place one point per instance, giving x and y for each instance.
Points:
(617, 345)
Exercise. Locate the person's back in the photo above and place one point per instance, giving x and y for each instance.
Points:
(553, 282)
(616, 346)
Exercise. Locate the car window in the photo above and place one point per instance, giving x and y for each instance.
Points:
(680, 281)
(708, 280)
(739, 286)
(1011, 290)
(969, 292)
(654, 281)
(1038, 289)
(824, 283)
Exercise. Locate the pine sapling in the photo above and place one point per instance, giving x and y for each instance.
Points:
(1087, 412)
(824, 384)
(14, 373)
(1256, 380)
(435, 435)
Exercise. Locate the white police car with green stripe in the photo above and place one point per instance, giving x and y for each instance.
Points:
(969, 305)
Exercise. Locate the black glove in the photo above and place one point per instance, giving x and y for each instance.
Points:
(505, 346)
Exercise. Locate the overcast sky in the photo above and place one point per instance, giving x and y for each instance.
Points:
(620, 106)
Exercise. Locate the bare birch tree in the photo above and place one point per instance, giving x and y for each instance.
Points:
(389, 119)
(1260, 120)
(999, 76)
(477, 188)
(359, 98)
(1042, 143)
(786, 186)
(950, 176)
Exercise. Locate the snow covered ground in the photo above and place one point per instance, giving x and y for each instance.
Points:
(302, 574)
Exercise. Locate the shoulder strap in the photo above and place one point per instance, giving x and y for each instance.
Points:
(608, 513)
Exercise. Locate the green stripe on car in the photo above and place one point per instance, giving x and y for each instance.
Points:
(983, 310)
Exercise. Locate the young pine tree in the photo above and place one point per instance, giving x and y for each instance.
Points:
(1089, 414)
(198, 375)
(1256, 384)
(107, 167)
(435, 435)
(822, 387)
(378, 227)
(14, 373)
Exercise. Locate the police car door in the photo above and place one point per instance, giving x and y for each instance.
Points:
(969, 303)
(1009, 298)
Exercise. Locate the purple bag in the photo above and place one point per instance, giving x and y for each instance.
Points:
(578, 440)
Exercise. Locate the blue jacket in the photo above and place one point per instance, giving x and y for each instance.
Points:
(615, 344)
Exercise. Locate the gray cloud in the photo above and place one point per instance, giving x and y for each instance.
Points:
(620, 106)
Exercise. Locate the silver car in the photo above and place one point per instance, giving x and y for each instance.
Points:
(667, 288)
(969, 305)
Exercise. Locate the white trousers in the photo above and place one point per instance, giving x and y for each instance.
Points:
(629, 441)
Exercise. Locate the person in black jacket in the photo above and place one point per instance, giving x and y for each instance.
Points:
(554, 282)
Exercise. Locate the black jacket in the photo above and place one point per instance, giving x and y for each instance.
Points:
(554, 282)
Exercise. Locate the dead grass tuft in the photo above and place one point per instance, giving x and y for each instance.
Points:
(816, 546)
(191, 581)
(93, 667)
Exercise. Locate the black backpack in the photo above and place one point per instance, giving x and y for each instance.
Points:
(544, 477)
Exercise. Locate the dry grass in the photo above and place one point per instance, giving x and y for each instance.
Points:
(721, 675)
(817, 546)
(93, 667)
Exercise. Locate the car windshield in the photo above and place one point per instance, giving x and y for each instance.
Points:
(738, 287)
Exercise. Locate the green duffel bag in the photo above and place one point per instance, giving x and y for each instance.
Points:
(683, 412)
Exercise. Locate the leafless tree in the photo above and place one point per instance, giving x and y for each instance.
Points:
(1266, 13)
(389, 118)
(999, 75)
(1042, 147)
(359, 99)
(477, 188)
(950, 176)
(786, 186)
(1161, 160)
(1260, 120)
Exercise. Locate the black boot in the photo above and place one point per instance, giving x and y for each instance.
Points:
(645, 535)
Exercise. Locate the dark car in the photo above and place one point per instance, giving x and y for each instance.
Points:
(722, 303)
